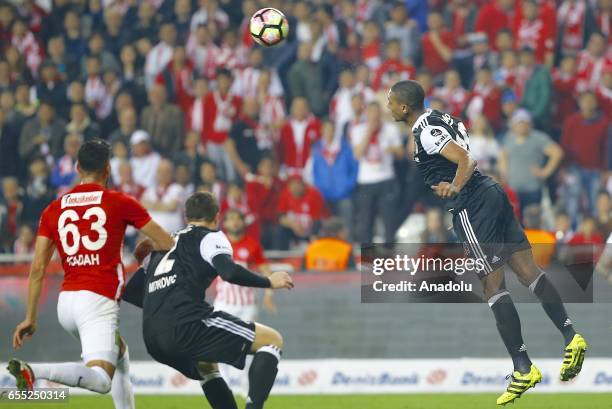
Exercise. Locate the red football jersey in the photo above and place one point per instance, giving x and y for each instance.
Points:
(87, 225)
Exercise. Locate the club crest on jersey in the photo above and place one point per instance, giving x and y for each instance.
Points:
(436, 132)
(81, 199)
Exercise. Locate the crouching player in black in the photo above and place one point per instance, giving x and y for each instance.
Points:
(182, 330)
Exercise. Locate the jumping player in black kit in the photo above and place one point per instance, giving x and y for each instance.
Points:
(181, 329)
(484, 222)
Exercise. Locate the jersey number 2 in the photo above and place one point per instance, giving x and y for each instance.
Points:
(66, 226)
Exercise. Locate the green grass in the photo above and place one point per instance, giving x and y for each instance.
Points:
(417, 401)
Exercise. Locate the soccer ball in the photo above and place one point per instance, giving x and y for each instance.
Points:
(269, 27)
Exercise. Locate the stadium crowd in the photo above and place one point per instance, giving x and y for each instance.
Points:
(293, 134)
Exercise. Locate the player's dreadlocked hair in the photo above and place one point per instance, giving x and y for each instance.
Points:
(94, 156)
(409, 93)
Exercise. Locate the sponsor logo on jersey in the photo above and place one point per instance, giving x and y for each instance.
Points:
(81, 199)
(436, 132)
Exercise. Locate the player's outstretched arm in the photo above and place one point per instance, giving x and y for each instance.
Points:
(236, 274)
(43, 251)
(465, 169)
(161, 238)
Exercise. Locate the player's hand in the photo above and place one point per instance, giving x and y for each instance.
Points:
(280, 279)
(23, 332)
(445, 190)
(268, 301)
(540, 173)
(143, 249)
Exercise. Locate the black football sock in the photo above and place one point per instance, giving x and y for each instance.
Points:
(552, 304)
(262, 375)
(218, 394)
(509, 327)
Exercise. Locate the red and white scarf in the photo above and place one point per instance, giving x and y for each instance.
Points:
(570, 17)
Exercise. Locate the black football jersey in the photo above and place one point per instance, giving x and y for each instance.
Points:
(432, 131)
(176, 281)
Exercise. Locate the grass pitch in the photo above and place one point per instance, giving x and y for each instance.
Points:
(415, 401)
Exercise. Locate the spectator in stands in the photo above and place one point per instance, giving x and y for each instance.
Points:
(300, 209)
(127, 126)
(375, 145)
(247, 81)
(565, 81)
(604, 92)
(9, 146)
(24, 243)
(120, 154)
(484, 148)
(126, 182)
(114, 34)
(340, 109)
(305, 79)
(25, 105)
(236, 199)
(177, 77)
(67, 65)
(536, 31)
(11, 208)
(438, 44)
(603, 213)
(585, 141)
(181, 19)
(263, 190)
(27, 45)
(332, 169)
(392, 64)
(330, 252)
(184, 178)
(592, 62)
(587, 244)
(242, 146)
(191, 155)
(81, 124)
(485, 99)
(144, 159)
(563, 227)
(210, 13)
(164, 200)
(147, 24)
(97, 95)
(221, 108)
(164, 122)
(42, 134)
(534, 88)
(370, 45)
(38, 191)
(64, 175)
(298, 134)
(160, 55)
(97, 48)
(575, 20)
(452, 93)
(75, 43)
(210, 181)
(509, 105)
(50, 88)
(435, 231)
(406, 30)
(528, 158)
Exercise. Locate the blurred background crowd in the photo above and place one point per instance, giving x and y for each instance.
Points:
(297, 137)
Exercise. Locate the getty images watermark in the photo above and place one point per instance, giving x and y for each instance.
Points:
(416, 273)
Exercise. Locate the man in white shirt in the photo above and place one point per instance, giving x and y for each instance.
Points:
(144, 160)
(375, 145)
(161, 54)
(164, 200)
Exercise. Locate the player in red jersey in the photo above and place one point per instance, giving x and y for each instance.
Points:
(239, 300)
(86, 226)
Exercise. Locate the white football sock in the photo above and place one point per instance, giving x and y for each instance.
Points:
(74, 374)
(122, 392)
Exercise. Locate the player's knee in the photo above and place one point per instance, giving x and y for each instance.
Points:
(278, 340)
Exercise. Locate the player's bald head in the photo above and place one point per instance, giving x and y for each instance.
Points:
(409, 93)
